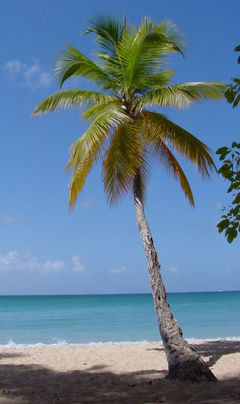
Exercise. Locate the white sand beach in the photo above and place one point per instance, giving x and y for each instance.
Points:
(119, 373)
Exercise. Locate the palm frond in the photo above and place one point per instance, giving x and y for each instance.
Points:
(78, 178)
(106, 105)
(158, 128)
(86, 150)
(171, 38)
(71, 98)
(122, 160)
(73, 63)
(142, 50)
(183, 95)
(170, 163)
(154, 81)
(108, 32)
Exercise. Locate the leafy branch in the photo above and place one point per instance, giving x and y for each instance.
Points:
(230, 170)
(233, 92)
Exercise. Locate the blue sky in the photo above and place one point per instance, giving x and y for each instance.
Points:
(45, 249)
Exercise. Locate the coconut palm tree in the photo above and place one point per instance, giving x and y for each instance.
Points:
(126, 134)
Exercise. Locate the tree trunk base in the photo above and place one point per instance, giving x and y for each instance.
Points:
(191, 370)
(184, 362)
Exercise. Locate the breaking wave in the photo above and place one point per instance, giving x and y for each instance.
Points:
(56, 342)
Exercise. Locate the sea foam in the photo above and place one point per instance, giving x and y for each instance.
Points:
(56, 342)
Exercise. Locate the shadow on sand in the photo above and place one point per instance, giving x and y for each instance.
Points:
(31, 384)
(214, 349)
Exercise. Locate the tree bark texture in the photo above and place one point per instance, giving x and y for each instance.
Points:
(183, 361)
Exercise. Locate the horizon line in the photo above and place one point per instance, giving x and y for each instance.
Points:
(112, 294)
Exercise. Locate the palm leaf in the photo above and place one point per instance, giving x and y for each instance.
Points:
(170, 163)
(106, 105)
(170, 36)
(108, 32)
(86, 150)
(158, 128)
(78, 179)
(142, 50)
(71, 98)
(154, 81)
(73, 63)
(122, 160)
(182, 95)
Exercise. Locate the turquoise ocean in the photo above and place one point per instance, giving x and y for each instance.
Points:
(90, 319)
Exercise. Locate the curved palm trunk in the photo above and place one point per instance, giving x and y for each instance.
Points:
(183, 361)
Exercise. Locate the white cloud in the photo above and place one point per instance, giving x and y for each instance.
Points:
(174, 270)
(14, 66)
(31, 75)
(77, 266)
(118, 271)
(11, 220)
(30, 71)
(14, 261)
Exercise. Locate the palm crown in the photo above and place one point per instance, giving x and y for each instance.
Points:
(123, 131)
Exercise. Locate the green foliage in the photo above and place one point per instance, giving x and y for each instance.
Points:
(230, 170)
(181, 95)
(123, 160)
(233, 92)
(89, 148)
(73, 99)
(130, 71)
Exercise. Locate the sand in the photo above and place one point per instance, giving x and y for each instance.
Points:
(119, 373)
